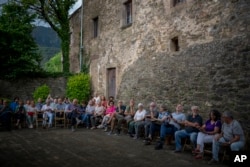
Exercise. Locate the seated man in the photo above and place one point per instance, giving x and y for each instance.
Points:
(20, 114)
(231, 135)
(192, 125)
(152, 110)
(129, 112)
(47, 113)
(163, 118)
(89, 112)
(177, 119)
(5, 115)
(117, 116)
(73, 111)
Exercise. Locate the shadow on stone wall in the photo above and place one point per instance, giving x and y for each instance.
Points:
(211, 75)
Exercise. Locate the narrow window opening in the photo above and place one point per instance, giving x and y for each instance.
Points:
(175, 44)
(95, 27)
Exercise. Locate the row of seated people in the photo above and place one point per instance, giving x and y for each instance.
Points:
(227, 131)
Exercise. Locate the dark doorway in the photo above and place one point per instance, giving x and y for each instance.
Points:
(112, 82)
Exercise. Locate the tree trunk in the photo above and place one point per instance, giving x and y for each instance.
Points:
(65, 42)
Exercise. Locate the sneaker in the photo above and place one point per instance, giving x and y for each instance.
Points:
(135, 138)
(72, 129)
(158, 145)
(93, 128)
(212, 161)
(31, 126)
(110, 133)
(106, 129)
(177, 151)
(78, 121)
(100, 126)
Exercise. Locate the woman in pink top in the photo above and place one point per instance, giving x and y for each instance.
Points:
(109, 112)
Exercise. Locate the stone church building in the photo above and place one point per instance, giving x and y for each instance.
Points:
(170, 51)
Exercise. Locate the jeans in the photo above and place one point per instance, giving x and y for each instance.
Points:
(31, 119)
(138, 125)
(182, 134)
(49, 115)
(153, 128)
(147, 127)
(167, 130)
(235, 146)
(86, 118)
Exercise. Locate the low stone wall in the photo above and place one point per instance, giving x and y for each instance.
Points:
(24, 88)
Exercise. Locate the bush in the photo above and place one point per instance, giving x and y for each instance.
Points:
(41, 92)
(78, 86)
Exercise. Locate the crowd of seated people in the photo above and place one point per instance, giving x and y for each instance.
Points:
(141, 123)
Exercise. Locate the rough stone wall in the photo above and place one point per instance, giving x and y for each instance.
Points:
(24, 88)
(75, 27)
(211, 69)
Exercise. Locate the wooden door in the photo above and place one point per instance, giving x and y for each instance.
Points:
(111, 82)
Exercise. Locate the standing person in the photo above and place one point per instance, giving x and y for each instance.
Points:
(177, 119)
(31, 114)
(231, 135)
(192, 125)
(207, 132)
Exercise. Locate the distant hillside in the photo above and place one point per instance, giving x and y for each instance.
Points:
(48, 42)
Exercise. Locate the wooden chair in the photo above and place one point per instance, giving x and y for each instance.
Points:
(60, 118)
(39, 118)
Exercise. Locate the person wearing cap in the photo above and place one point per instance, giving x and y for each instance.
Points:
(163, 117)
(231, 135)
(137, 122)
(192, 125)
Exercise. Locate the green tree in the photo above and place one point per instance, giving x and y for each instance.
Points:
(55, 13)
(78, 86)
(18, 50)
(54, 64)
(41, 92)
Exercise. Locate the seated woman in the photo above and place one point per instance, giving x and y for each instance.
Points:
(31, 111)
(109, 112)
(137, 122)
(163, 117)
(177, 119)
(207, 132)
(98, 114)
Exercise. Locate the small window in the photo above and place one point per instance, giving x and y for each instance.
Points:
(174, 45)
(95, 27)
(128, 12)
(175, 2)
